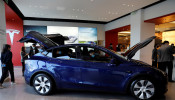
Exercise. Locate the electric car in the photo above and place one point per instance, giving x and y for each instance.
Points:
(91, 67)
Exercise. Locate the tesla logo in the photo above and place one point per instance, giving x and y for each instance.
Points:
(11, 33)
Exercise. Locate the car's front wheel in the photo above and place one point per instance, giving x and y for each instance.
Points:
(143, 89)
(42, 84)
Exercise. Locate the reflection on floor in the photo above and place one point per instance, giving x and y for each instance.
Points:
(21, 91)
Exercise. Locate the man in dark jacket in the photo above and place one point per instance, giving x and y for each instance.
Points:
(33, 50)
(165, 59)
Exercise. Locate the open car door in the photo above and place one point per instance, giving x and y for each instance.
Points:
(132, 51)
(36, 37)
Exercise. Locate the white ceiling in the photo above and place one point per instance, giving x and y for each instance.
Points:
(94, 10)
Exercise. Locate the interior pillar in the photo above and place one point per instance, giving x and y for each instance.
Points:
(139, 32)
(2, 29)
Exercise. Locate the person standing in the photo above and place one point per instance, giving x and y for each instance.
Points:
(24, 56)
(165, 59)
(154, 55)
(33, 50)
(7, 65)
(110, 46)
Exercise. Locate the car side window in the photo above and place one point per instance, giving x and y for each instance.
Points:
(64, 53)
(94, 55)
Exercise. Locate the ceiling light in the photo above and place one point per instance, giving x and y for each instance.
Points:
(60, 8)
(43, 7)
(82, 10)
(173, 22)
(125, 32)
(123, 4)
(92, 0)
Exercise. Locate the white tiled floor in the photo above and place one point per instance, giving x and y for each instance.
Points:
(21, 91)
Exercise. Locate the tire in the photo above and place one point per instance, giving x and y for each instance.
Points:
(42, 84)
(143, 89)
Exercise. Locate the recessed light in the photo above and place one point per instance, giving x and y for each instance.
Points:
(60, 8)
(82, 10)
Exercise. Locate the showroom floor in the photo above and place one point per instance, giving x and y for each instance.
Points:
(21, 91)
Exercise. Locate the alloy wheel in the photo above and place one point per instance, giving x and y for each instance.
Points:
(42, 85)
(144, 89)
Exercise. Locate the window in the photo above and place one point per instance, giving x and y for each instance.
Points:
(94, 54)
(64, 53)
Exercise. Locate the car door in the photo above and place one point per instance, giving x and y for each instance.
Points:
(66, 67)
(101, 74)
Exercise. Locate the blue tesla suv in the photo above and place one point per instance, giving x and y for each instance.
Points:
(91, 67)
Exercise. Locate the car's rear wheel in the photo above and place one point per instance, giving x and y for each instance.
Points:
(143, 89)
(43, 84)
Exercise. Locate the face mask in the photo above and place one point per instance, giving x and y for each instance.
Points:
(92, 56)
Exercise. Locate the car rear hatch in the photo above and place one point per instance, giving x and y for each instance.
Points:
(36, 37)
(132, 51)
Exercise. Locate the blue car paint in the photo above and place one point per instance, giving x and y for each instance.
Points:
(79, 74)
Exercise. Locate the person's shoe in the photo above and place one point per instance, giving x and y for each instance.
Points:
(13, 83)
(171, 81)
(1, 87)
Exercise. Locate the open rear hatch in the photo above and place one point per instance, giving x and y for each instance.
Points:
(36, 37)
(132, 51)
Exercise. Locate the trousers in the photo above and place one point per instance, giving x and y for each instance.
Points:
(5, 71)
(163, 65)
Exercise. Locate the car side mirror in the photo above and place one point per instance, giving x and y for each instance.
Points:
(112, 61)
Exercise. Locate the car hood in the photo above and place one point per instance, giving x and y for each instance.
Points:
(36, 37)
(138, 62)
(132, 51)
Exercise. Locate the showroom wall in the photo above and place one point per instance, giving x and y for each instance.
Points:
(163, 8)
(100, 27)
(2, 29)
(14, 32)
